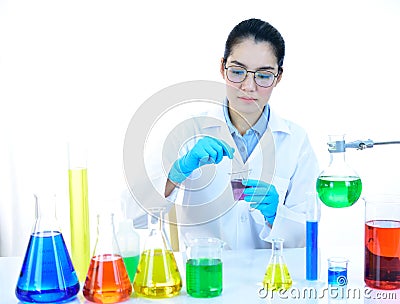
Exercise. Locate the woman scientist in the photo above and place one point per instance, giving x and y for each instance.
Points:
(231, 131)
(274, 154)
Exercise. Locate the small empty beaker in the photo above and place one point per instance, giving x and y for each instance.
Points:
(337, 271)
(204, 267)
(236, 182)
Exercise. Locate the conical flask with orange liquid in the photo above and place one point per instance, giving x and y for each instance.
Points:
(107, 280)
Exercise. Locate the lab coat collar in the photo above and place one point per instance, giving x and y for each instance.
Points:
(259, 127)
(275, 123)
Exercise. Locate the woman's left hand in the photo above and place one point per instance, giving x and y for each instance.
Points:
(264, 196)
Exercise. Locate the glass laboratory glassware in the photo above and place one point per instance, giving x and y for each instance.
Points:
(236, 183)
(107, 280)
(79, 208)
(204, 267)
(338, 185)
(157, 275)
(312, 250)
(277, 275)
(337, 271)
(382, 242)
(129, 244)
(47, 273)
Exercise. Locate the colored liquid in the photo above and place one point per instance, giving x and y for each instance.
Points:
(157, 275)
(337, 276)
(204, 277)
(382, 254)
(277, 277)
(311, 250)
(47, 273)
(79, 220)
(107, 280)
(339, 192)
(131, 264)
(237, 188)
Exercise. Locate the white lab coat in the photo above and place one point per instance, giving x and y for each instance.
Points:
(283, 157)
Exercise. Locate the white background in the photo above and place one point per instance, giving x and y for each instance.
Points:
(79, 69)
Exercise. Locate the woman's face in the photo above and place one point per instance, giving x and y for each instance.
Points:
(247, 97)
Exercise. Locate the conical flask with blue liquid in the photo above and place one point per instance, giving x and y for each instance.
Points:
(47, 274)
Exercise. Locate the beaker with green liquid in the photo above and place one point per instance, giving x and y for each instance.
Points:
(338, 185)
(157, 274)
(204, 267)
(277, 276)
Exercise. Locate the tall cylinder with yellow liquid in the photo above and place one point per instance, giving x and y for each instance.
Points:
(79, 208)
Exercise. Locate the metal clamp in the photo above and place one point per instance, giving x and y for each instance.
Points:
(360, 144)
(340, 146)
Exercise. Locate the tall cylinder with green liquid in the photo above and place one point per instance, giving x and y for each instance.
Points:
(338, 185)
(79, 209)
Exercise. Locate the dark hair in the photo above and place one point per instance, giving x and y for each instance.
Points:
(260, 31)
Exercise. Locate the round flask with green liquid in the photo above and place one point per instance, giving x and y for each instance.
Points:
(338, 186)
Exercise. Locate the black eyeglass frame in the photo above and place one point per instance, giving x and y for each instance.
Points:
(254, 75)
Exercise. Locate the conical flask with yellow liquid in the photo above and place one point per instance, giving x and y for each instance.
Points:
(277, 275)
(157, 274)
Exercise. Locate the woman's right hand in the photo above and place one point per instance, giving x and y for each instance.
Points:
(207, 150)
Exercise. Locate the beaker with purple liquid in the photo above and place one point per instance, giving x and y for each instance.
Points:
(237, 185)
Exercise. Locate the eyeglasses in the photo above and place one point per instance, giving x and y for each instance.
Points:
(262, 78)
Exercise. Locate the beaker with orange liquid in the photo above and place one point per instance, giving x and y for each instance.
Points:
(382, 242)
(107, 280)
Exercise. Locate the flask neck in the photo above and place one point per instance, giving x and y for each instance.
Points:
(338, 157)
(155, 219)
(45, 213)
(156, 238)
(277, 247)
(106, 242)
(338, 166)
(105, 224)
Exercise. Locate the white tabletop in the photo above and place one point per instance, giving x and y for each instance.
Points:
(243, 271)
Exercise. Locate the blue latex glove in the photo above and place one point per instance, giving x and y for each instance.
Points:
(207, 150)
(264, 196)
